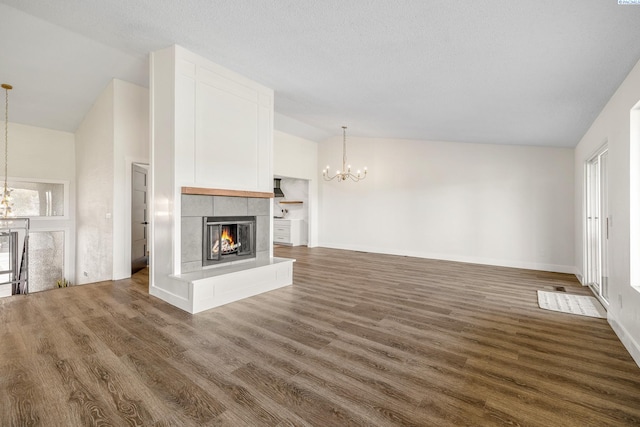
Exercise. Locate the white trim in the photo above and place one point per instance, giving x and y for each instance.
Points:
(625, 337)
(603, 301)
(66, 196)
(122, 269)
(171, 298)
(634, 197)
(64, 223)
(603, 148)
(556, 268)
(150, 198)
(583, 217)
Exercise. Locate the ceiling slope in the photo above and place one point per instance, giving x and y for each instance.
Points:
(488, 71)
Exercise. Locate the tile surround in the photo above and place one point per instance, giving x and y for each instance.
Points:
(259, 206)
(263, 222)
(197, 205)
(191, 245)
(194, 207)
(230, 206)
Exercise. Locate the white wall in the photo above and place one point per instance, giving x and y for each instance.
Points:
(112, 136)
(489, 204)
(131, 145)
(294, 190)
(296, 157)
(203, 117)
(94, 174)
(613, 126)
(40, 153)
(48, 155)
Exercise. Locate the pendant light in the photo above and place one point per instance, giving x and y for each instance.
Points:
(5, 201)
(346, 169)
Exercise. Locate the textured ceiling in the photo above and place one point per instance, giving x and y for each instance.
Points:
(533, 72)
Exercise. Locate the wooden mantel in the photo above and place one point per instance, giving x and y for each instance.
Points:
(230, 193)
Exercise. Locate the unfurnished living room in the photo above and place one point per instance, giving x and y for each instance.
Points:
(328, 213)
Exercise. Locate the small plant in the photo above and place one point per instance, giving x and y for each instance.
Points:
(63, 283)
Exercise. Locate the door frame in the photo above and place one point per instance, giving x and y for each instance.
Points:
(125, 248)
(604, 148)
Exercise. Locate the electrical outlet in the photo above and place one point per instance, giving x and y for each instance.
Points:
(620, 300)
(86, 274)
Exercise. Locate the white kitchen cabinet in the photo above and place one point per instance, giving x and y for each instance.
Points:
(289, 232)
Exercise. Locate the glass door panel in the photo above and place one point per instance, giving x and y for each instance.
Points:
(604, 225)
(597, 225)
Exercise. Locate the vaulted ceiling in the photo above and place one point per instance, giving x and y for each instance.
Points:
(533, 72)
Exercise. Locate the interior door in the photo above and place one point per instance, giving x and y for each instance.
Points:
(598, 224)
(139, 251)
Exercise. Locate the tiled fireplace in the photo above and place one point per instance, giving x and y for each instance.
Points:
(198, 246)
(225, 253)
(234, 119)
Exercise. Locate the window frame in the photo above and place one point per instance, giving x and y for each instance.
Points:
(66, 197)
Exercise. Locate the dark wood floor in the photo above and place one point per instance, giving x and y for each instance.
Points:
(359, 339)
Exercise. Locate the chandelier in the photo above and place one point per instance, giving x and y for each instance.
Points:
(346, 169)
(5, 201)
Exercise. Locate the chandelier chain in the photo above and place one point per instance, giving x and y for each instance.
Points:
(5, 202)
(344, 147)
(6, 138)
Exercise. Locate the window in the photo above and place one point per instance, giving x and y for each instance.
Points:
(46, 204)
(37, 198)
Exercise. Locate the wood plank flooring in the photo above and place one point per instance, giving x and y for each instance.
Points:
(359, 339)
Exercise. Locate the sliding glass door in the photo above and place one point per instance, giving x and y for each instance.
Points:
(597, 225)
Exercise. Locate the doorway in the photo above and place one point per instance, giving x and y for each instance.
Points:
(291, 211)
(139, 223)
(598, 224)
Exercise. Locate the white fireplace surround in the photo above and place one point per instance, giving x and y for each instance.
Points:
(203, 288)
(201, 113)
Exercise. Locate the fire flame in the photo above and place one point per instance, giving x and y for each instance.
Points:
(226, 236)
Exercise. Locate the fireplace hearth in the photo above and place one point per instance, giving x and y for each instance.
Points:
(219, 266)
(228, 238)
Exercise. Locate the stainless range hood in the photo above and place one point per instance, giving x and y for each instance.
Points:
(277, 192)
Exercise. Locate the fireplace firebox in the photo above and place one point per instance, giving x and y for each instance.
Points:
(227, 239)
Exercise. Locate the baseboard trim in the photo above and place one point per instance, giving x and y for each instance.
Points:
(555, 268)
(627, 340)
(173, 299)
